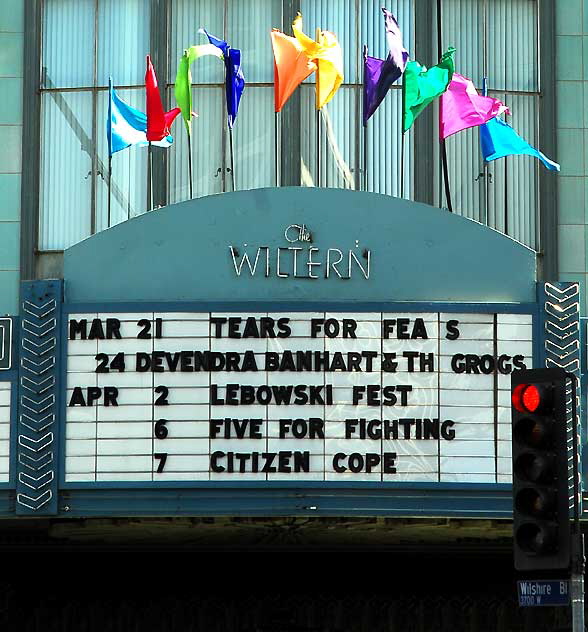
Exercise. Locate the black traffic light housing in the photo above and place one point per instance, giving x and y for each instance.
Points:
(541, 523)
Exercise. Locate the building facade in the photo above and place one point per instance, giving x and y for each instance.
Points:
(101, 247)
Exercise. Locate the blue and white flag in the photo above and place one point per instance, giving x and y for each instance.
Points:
(498, 139)
(126, 126)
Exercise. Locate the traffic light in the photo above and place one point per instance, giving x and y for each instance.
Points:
(541, 526)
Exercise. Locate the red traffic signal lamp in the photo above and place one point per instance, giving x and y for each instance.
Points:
(541, 525)
(530, 398)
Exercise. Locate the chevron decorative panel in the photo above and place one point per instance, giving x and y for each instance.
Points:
(559, 307)
(38, 398)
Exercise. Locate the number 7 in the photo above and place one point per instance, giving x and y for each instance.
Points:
(162, 457)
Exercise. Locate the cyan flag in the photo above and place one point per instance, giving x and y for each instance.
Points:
(497, 140)
(126, 126)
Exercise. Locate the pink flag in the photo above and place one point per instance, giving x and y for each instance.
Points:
(463, 107)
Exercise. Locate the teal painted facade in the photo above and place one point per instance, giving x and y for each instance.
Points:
(571, 90)
(178, 259)
(420, 254)
(183, 253)
(11, 117)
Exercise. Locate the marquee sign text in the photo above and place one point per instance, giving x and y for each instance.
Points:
(317, 396)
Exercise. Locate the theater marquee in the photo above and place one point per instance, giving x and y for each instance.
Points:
(278, 352)
(321, 396)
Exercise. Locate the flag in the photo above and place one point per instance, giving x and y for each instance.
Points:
(158, 121)
(378, 74)
(295, 58)
(327, 55)
(234, 79)
(126, 126)
(421, 86)
(497, 140)
(291, 66)
(462, 107)
(330, 69)
(394, 37)
(374, 87)
(183, 85)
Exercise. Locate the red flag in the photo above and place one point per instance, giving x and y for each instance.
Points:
(158, 121)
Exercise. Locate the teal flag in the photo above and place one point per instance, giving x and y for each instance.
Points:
(421, 86)
(497, 140)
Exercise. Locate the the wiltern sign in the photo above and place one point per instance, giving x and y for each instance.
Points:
(301, 261)
(306, 396)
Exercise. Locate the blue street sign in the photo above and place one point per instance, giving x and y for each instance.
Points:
(543, 592)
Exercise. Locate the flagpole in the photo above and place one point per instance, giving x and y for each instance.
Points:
(402, 115)
(318, 118)
(109, 185)
(190, 161)
(402, 165)
(442, 141)
(128, 198)
(445, 173)
(485, 168)
(150, 176)
(109, 130)
(318, 149)
(276, 147)
(365, 160)
(505, 197)
(232, 157)
(365, 136)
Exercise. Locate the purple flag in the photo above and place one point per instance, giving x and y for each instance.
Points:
(380, 74)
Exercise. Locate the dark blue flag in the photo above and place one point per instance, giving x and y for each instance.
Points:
(234, 79)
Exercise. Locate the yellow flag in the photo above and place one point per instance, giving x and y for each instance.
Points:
(327, 55)
(330, 69)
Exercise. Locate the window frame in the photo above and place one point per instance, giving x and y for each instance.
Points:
(422, 186)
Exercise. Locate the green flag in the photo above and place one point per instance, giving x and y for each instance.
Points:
(183, 86)
(421, 86)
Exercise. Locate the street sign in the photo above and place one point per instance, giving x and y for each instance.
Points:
(5, 343)
(543, 592)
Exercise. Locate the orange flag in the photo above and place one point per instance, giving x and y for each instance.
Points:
(295, 58)
(291, 66)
